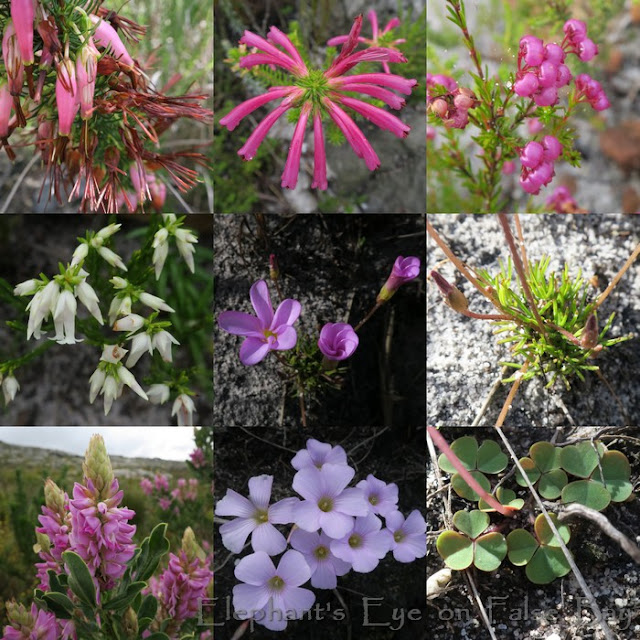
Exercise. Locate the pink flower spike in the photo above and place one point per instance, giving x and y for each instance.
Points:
(250, 147)
(292, 165)
(392, 81)
(234, 116)
(22, 14)
(275, 35)
(283, 60)
(319, 155)
(388, 97)
(378, 116)
(354, 136)
(66, 96)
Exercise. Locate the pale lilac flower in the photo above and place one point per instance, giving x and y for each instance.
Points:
(10, 387)
(184, 408)
(254, 516)
(404, 270)
(162, 341)
(317, 454)
(164, 503)
(327, 503)
(382, 497)
(407, 538)
(364, 545)
(337, 340)
(270, 595)
(267, 331)
(316, 548)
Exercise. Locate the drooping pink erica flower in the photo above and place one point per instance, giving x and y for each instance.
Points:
(377, 39)
(537, 163)
(66, 96)
(86, 70)
(404, 270)
(563, 202)
(266, 332)
(321, 94)
(590, 90)
(22, 14)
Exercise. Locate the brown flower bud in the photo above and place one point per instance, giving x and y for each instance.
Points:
(439, 107)
(589, 338)
(453, 297)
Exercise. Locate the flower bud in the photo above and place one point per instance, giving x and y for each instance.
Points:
(453, 297)
(130, 623)
(6, 102)
(191, 548)
(97, 465)
(439, 107)
(589, 338)
(337, 340)
(10, 387)
(54, 496)
(404, 270)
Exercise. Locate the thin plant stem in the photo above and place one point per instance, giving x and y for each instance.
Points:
(512, 395)
(484, 316)
(603, 296)
(371, 311)
(522, 245)
(517, 262)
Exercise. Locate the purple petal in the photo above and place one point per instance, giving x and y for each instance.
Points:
(368, 524)
(335, 477)
(301, 459)
(268, 616)
(259, 294)
(378, 544)
(341, 550)
(335, 525)
(410, 548)
(286, 313)
(319, 451)
(351, 501)
(282, 511)
(365, 562)
(298, 600)
(239, 323)
(260, 490)
(267, 538)
(248, 598)
(394, 520)
(337, 455)
(287, 338)
(256, 569)
(252, 351)
(307, 482)
(324, 577)
(293, 568)
(233, 504)
(304, 541)
(415, 523)
(339, 566)
(307, 516)
(235, 533)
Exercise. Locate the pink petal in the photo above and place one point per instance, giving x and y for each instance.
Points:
(253, 40)
(260, 490)
(293, 568)
(239, 323)
(319, 155)
(373, 19)
(286, 313)
(261, 301)
(275, 35)
(292, 165)
(234, 116)
(373, 54)
(253, 350)
(393, 81)
(392, 24)
(378, 116)
(256, 569)
(287, 338)
(337, 40)
(390, 98)
(250, 147)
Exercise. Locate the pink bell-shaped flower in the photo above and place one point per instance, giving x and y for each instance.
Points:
(66, 96)
(86, 69)
(22, 14)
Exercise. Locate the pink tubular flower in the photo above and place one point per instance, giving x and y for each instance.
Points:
(590, 90)
(66, 96)
(6, 102)
(86, 69)
(321, 93)
(537, 163)
(404, 270)
(107, 37)
(337, 340)
(377, 39)
(267, 331)
(23, 14)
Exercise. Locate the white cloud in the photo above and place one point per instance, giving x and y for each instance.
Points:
(167, 443)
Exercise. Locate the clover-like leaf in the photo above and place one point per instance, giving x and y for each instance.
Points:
(530, 468)
(580, 459)
(455, 549)
(545, 455)
(616, 470)
(521, 546)
(587, 492)
(489, 551)
(544, 533)
(491, 458)
(473, 523)
(460, 486)
(551, 483)
(466, 449)
(547, 564)
(507, 497)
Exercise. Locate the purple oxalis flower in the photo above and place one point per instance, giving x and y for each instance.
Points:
(317, 454)
(364, 546)
(337, 340)
(327, 504)
(404, 270)
(324, 566)
(255, 517)
(271, 595)
(382, 497)
(407, 538)
(267, 331)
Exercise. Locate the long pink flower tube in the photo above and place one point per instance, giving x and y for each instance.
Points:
(321, 95)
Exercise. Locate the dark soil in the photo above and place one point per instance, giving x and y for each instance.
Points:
(334, 265)
(393, 587)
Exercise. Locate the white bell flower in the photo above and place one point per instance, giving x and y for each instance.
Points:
(140, 343)
(155, 303)
(64, 318)
(185, 241)
(162, 341)
(112, 258)
(158, 393)
(130, 323)
(183, 406)
(10, 387)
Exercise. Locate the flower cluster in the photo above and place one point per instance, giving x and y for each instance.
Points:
(185, 239)
(563, 202)
(590, 90)
(537, 163)
(337, 529)
(576, 37)
(185, 491)
(453, 108)
(322, 95)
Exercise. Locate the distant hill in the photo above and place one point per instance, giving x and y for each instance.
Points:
(34, 457)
